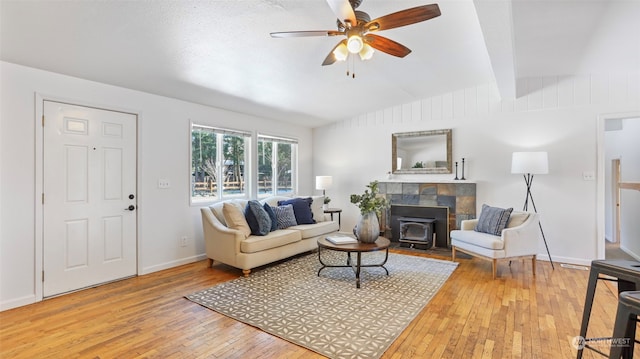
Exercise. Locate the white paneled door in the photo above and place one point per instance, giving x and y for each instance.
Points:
(89, 210)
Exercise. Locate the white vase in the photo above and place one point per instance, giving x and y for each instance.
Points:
(367, 229)
(325, 206)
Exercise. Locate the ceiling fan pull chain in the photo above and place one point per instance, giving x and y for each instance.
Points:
(347, 63)
(353, 65)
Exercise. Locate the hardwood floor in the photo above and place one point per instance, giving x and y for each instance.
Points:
(472, 316)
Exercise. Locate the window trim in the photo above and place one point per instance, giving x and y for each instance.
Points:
(274, 174)
(248, 148)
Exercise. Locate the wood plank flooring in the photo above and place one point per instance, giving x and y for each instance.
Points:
(472, 316)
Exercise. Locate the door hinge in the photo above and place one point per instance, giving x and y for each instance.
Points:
(43, 276)
(42, 120)
(43, 198)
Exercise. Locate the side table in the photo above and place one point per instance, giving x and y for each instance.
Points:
(331, 211)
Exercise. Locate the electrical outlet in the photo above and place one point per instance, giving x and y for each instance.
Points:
(589, 176)
(164, 183)
(183, 241)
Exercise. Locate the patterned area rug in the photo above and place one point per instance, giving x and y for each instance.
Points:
(326, 313)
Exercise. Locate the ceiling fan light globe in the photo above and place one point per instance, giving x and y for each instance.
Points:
(355, 44)
(341, 53)
(366, 53)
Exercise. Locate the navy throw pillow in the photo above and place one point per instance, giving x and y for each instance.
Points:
(272, 215)
(258, 219)
(301, 209)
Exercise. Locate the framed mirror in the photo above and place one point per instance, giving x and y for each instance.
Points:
(421, 152)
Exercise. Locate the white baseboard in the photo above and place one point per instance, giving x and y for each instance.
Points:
(167, 265)
(570, 260)
(18, 302)
(630, 252)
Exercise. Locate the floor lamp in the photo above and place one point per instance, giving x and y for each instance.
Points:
(530, 163)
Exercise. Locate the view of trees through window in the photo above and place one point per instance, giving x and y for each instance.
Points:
(279, 166)
(219, 158)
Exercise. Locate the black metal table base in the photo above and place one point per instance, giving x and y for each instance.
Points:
(356, 267)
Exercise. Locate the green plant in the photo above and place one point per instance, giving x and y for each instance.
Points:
(327, 200)
(369, 201)
(418, 165)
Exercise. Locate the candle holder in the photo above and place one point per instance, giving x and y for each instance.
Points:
(463, 169)
(456, 172)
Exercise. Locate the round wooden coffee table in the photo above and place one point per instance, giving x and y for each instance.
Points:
(358, 248)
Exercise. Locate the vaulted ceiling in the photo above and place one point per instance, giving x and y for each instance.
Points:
(219, 53)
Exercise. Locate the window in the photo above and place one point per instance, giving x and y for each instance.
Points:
(218, 158)
(277, 159)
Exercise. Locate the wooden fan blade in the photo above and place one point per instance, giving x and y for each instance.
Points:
(404, 17)
(306, 33)
(343, 10)
(331, 58)
(386, 45)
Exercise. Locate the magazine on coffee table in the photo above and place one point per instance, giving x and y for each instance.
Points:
(339, 239)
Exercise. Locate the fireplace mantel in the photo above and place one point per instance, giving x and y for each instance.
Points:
(458, 196)
(405, 180)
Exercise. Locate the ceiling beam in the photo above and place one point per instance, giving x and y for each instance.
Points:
(496, 22)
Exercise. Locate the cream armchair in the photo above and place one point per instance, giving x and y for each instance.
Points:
(519, 240)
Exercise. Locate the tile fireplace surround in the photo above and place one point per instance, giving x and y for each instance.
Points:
(458, 196)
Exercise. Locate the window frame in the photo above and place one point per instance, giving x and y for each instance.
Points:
(275, 140)
(220, 194)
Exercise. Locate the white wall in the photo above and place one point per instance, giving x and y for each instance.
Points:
(559, 115)
(623, 144)
(163, 152)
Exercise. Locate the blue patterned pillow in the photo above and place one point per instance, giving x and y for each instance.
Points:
(493, 220)
(286, 217)
(301, 209)
(272, 215)
(258, 219)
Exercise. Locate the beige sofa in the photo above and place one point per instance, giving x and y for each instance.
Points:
(230, 246)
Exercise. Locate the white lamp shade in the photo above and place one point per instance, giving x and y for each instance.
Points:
(324, 182)
(530, 162)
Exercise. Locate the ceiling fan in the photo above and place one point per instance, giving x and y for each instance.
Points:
(358, 29)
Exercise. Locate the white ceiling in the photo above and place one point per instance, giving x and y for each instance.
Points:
(219, 53)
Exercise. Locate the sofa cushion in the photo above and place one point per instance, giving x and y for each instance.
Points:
(517, 219)
(272, 216)
(217, 211)
(235, 219)
(316, 229)
(275, 239)
(301, 209)
(484, 240)
(257, 218)
(285, 216)
(493, 220)
(273, 200)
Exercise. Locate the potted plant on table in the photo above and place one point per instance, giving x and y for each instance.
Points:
(325, 206)
(370, 203)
